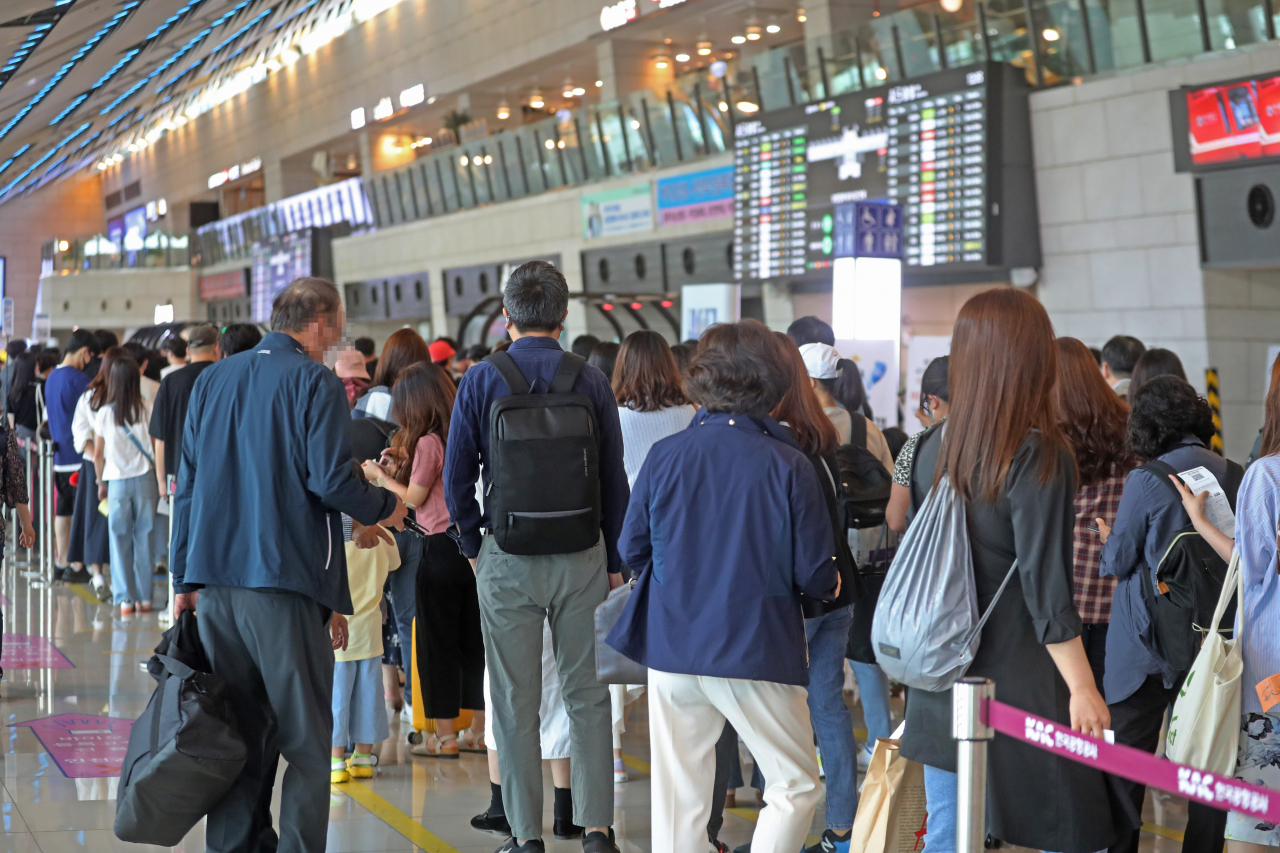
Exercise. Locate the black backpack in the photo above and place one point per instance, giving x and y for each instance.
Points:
(545, 459)
(865, 482)
(1188, 581)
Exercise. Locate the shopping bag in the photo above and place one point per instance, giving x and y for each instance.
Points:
(891, 814)
(1204, 728)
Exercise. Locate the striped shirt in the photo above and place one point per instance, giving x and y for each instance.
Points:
(1257, 514)
(641, 430)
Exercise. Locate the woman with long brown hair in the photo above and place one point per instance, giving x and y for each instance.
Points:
(1005, 455)
(1094, 420)
(450, 647)
(651, 400)
(89, 539)
(403, 349)
(826, 623)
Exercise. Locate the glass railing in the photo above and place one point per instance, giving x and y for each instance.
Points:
(1052, 41)
(102, 252)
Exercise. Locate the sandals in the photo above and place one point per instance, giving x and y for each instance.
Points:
(436, 747)
(469, 741)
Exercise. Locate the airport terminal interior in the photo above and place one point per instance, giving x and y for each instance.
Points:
(856, 174)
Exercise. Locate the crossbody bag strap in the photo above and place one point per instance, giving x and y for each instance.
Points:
(138, 444)
(992, 606)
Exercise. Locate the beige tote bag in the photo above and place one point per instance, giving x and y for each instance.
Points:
(1204, 729)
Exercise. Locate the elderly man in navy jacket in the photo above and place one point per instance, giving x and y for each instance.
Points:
(265, 476)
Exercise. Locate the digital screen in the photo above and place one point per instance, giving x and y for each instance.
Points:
(135, 229)
(277, 261)
(115, 231)
(925, 145)
(1236, 121)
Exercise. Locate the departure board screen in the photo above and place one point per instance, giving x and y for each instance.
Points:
(929, 144)
(276, 262)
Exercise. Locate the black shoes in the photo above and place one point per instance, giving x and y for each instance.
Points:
(77, 576)
(491, 823)
(598, 842)
(565, 828)
(533, 845)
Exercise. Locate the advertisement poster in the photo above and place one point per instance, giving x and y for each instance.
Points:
(616, 212)
(1238, 121)
(879, 368)
(704, 305)
(696, 197)
(921, 350)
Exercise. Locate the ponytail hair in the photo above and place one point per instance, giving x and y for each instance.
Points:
(847, 388)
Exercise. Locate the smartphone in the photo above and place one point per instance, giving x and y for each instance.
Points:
(1094, 529)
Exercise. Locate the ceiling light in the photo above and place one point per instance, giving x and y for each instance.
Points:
(704, 47)
(951, 5)
(290, 56)
(578, 91)
(635, 124)
(560, 144)
(383, 109)
(724, 108)
(567, 92)
(599, 84)
(739, 39)
(550, 143)
(102, 165)
(477, 160)
(748, 106)
(881, 74)
(117, 157)
(274, 65)
(682, 57)
(426, 140)
(773, 28)
(357, 118)
(133, 146)
(1050, 34)
(504, 110)
(413, 96)
(801, 16)
(488, 159)
(753, 28)
(63, 245)
(662, 61)
(462, 160)
(535, 100)
(180, 120)
(431, 100)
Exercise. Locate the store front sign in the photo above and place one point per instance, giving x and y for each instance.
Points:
(614, 16)
(234, 173)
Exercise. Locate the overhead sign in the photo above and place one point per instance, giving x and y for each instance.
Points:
(614, 16)
(696, 197)
(234, 173)
(614, 212)
(868, 230)
(224, 285)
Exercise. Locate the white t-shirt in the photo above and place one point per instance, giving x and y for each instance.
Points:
(123, 459)
(150, 388)
(82, 424)
(165, 371)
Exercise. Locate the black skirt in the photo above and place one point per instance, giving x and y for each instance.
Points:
(89, 542)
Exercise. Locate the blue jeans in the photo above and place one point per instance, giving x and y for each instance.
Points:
(873, 688)
(131, 515)
(404, 591)
(940, 797)
(828, 637)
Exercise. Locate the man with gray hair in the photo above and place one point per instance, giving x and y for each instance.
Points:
(265, 475)
(518, 592)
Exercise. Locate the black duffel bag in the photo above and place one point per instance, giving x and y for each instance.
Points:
(185, 751)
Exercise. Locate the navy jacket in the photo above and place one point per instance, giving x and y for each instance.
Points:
(1148, 516)
(727, 525)
(266, 473)
(468, 446)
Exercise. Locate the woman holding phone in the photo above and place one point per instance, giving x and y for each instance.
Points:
(450, 646)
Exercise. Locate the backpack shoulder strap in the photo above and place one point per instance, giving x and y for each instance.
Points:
(571, 365)
(1231, 486)
(858, 430)
(1162, 471)
(506, 366)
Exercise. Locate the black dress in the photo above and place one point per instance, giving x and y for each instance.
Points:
(1036, 799)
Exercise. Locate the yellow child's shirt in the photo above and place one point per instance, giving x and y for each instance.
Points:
(367, 570)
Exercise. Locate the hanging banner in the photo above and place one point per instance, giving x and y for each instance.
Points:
(615, 212)
(696, 197)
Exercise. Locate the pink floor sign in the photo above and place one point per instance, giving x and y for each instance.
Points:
(83, 745)
(23, 651)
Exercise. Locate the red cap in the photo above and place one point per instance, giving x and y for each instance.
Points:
(440, 350)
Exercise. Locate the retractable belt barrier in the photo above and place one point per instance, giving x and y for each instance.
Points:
(1200, 786)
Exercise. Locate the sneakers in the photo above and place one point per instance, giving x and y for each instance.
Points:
(598, 842)
(822, 771)
(100, 588)
(619, 772)
(126, 609)
(80, 575)
(338, 774)
(533, 845)
(406, 714)
(830, 843)
(144, 606)
(718, 846)
(60, 572)
(564, 829)
(491, 823)
(360, 766)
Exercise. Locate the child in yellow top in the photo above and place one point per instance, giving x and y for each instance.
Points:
(358, 715)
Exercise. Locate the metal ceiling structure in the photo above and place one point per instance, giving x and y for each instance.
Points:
(86, 82)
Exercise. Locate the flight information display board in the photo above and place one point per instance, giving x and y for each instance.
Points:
(276, 262)
(949, 147)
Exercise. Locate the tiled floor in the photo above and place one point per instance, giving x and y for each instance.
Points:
(412, 804)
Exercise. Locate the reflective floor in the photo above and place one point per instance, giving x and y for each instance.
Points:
(73, 684)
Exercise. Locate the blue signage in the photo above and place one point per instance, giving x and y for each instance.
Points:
(868, 230)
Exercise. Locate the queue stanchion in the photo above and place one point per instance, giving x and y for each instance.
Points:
(969, 698)
(32, 503)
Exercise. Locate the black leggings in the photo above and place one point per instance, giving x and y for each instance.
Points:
(449, 644)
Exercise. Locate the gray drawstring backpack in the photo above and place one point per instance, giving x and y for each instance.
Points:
(926, 628)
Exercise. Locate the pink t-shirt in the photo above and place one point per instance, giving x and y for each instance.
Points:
(428, 472)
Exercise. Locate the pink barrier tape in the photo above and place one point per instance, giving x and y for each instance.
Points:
(1135, 765)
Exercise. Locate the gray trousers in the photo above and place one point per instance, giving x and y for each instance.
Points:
(274, 651)
(516, 594)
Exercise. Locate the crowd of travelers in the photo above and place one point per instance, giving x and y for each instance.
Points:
(735, 493)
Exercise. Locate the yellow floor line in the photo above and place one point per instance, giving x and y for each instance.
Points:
(393, 817)
(635, 763)
(1162, 831)
(85, 593)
